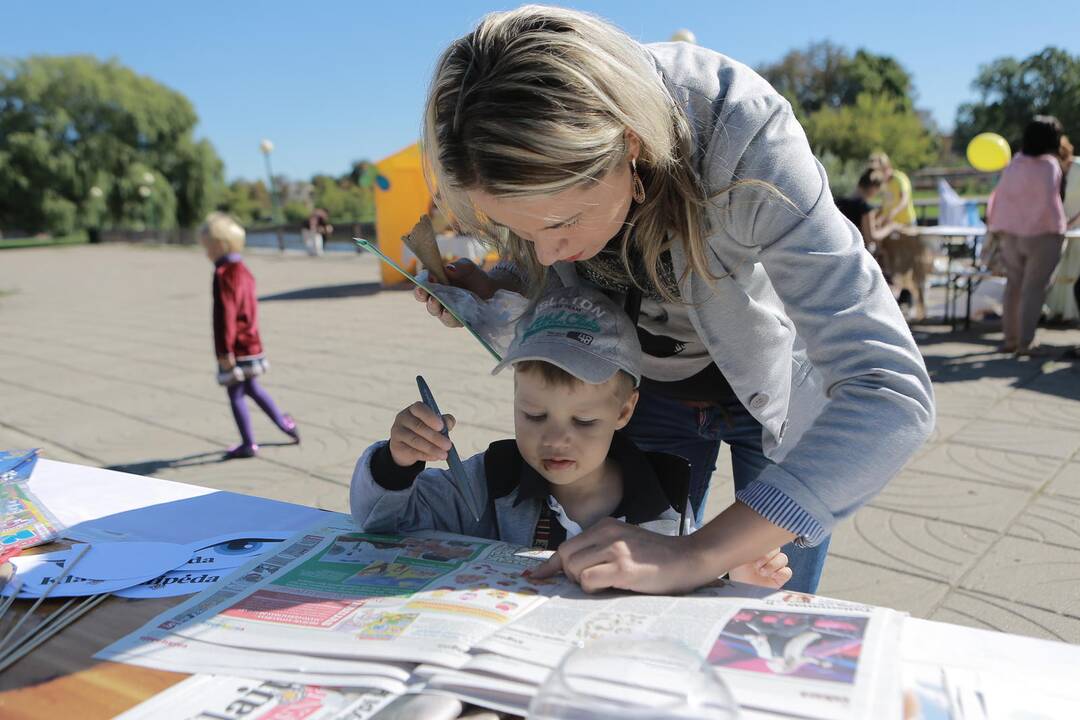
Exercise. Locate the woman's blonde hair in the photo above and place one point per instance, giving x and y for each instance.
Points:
(538, 100)
(221, 232)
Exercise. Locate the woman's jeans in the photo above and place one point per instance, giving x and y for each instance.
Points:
(665, 425)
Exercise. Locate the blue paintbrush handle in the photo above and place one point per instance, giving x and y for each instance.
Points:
(453, 460)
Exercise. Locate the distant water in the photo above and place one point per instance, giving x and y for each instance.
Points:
(293, 241)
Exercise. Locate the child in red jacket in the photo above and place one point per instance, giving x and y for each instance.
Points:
(236, 332)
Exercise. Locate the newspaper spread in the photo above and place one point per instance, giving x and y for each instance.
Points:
(334, 592)
(216, 697)
(342, 608)
(786, 652)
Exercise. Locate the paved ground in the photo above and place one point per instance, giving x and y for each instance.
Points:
(108, 361)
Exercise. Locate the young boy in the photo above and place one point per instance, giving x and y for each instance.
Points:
(239, 349)
(576, 362)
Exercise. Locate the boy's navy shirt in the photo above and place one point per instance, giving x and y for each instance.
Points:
(385, 497)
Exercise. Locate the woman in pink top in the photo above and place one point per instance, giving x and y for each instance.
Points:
(1027, 214)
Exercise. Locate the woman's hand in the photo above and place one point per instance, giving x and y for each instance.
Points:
(613, 554)
(465, 274)
(417, 435)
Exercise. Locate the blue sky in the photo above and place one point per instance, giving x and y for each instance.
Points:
(333, 82)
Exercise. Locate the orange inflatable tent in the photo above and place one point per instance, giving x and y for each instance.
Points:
(400, 205)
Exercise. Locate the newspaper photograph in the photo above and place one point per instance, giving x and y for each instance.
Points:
(232, 698)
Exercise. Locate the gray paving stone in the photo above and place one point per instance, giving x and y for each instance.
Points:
(1060, 382)
(1019, 438)
(1035, 573)
(1066, 481)
(963, 401)
(1050, 519)
(989, 613)
(945, 426)
(1051, 412)
(955, 500)
(862, 582)
(12, 439)
(986, 465)
(927, 548)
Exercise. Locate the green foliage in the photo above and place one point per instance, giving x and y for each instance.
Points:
(824, 75)
(296, 212)
(247, 201)
(1011, 91)
(70, 124)
(852, 105)
(874, 122)
(344, 199)
(843, 174)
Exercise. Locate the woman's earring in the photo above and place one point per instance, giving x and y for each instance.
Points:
(637, 187)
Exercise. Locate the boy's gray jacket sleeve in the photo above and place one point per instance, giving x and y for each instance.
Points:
(430, 503)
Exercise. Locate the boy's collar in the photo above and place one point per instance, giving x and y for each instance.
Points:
(643, 497)
(227, 258)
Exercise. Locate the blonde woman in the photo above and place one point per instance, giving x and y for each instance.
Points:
(679, 181)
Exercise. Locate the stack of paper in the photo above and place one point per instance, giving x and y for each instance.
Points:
(445, 613)
(25, 521)
(781, 653)
(207, 696)
(341, 608)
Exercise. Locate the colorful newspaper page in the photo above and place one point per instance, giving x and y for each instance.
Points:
(24, 521)
(234, 698)
(336, 592)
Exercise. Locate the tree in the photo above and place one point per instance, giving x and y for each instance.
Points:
(824, 75)
(853, 105)
(247, 201)
(1011, 91)
(344, 199)
(71, 124)
(873, 122)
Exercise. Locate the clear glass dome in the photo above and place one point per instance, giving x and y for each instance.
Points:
(633, 678)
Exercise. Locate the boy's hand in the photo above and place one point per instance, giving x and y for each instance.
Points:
(770, 570)
(417, 435)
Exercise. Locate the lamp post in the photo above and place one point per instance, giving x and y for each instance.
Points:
(267, 147)
(96, 194)
(146, 191)
(148, 209)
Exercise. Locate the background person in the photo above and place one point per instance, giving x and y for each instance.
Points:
(1027, 213)
(239, 349)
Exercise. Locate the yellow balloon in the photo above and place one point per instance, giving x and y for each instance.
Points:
(988, 152)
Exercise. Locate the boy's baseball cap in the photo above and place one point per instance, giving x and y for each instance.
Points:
(579, 330)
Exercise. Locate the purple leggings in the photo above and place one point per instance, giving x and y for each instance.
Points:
(252, 389)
